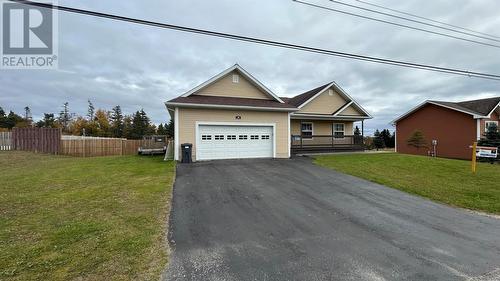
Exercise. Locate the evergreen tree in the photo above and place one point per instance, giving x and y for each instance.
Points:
(48, 121)
(140, 125)
(3, 118)
(27, 115)
(378, 140)
(117, 125)
(388, 138)
(13, 120)
(90, 110)
(170, 129)
(417, 139)
(491, 137)
(393, 140)
(357, 132)
(65, 117)
(161, 129)
(127, 127)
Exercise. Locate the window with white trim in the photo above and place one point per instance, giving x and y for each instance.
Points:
(264, 137)
(487, 124)
(243, 137)
(206, 137)
(231, 137)
(236, 78)
(338, 130)
(219, 137)
(254, 137)
(306, 130)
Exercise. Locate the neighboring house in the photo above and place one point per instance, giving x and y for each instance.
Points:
(453, 125)
(233, 115)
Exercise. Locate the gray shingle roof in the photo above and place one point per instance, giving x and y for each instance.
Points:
(479, 107)
(483, 106)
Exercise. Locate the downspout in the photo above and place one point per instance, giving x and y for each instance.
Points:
(289, 136)
(478, 129)
(395, 137)
(176, 134)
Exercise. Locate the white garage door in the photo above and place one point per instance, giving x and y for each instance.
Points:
(232, 142)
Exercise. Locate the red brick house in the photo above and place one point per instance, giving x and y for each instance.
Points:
(453, 125)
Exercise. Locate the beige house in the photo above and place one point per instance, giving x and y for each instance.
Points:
(233, 115)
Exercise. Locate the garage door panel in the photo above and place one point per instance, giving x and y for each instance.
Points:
(231, 142)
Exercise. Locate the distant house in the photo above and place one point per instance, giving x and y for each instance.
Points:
(233, 115)
(453, 125)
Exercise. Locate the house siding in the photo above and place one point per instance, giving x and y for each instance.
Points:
(351, 111)
(322, 128)
(453, 130)
(225, 87)
(324, 104)
(189, 116)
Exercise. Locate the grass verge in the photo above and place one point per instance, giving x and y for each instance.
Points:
(102, 218)
(444, 180)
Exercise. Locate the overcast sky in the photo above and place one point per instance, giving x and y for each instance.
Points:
(137, 67)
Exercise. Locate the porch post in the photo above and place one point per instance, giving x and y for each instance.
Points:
(333, 140)
(363, 131)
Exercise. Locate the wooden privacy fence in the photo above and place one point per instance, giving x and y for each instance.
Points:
(96, 146)
(44, 140)
(5, 140)
(49, 140)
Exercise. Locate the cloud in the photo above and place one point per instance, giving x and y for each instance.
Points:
(112, 62)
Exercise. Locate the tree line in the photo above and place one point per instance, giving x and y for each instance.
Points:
(380, 139)
(97, 122)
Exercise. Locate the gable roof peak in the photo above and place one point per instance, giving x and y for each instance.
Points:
(245, 73)
(300, 99)
(480, 108)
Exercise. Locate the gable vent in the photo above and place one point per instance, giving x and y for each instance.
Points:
(236, 78)
(330, 92)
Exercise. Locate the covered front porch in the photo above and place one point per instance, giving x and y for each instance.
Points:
(326, 135)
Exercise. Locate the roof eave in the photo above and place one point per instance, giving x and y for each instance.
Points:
(220, 106)
(297, 115)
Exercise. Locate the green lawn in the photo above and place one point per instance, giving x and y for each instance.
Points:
(64, 218)
(444, 180)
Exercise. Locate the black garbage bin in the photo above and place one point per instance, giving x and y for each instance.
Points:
(187, 152)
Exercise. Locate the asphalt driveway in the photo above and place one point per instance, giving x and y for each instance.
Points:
(292, 220)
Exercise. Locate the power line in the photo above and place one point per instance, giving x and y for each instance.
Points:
(265, 42)
(412, 20)
(424, 18)
(396, 24)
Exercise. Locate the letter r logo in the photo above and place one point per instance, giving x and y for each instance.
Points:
(26, 29)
